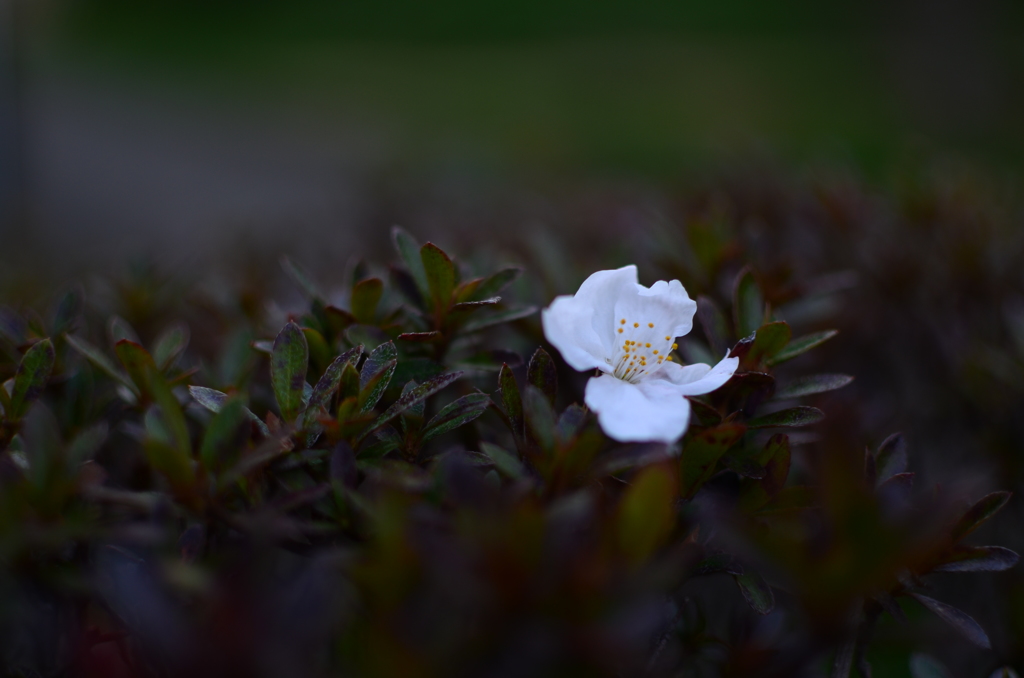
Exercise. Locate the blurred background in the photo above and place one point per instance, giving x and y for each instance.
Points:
(181, 127)
(877, 143)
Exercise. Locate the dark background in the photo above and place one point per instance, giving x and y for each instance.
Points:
(879, 138)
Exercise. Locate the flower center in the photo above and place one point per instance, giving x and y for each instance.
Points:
(643, 349)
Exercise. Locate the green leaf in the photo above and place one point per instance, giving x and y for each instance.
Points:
(301, 278)
(802, 345)
(480, 322)
(328, 384)
(87, 443)
(170, 411)
(348, 387)
(468, 306)
(543, 374)
(376, 374)
(756, 592)
(511, 401)
(975, 516)
(319, 351)
(494, 284)
(747, 304)
(978, 559)
(288, 366)
(97, 358)
(409, 250)
(958, 619)
(170, 345)
(506, 462)
(776, 459)
(209, 398)
(794, 417)
(812, 384)
(462, 411)
(121, 330)
(768, 341)
(701, 454)
(366, 296)
(137, 362)
(540, 417)
(891, 458)
(31, 377)
(220, 442)
(412, 397)
(440, 273)
(646, 516)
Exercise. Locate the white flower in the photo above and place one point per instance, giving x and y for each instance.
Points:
(628, 331)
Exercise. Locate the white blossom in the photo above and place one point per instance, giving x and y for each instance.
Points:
(628, 332)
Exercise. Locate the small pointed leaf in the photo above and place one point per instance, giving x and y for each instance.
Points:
(802, 345)
(31, 377)
(813, 384)
(958, 619)
(288, 366)
(793, 417)
(462, 411)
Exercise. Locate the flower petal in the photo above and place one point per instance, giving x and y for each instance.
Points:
(697, 379)
(663, 309)
(647, 411)
(581, 326)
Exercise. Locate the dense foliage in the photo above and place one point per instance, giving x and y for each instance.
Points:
(396, 478)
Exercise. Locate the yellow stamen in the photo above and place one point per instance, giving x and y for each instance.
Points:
(622, 322)
(620, 330)
(650, 324)
(636, 324)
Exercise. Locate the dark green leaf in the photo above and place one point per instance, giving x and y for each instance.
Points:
(409, 250)
(97, 358)
(319, 351)
(170, 345)
(30, 379)
(646, 514)
(776, 460)
(702, 452)
(220, 442)
(756, 592)
(380, 444)
(462, 411)
(366, 296)
(570, 422)
(421, 337)
(120, 330)
(802, 345)
(506, 462)
(328, 384)
(958, 619)
(975, 516)
(440, 272)
(978, 559)
(809, 385)
(87, 443)
(793, 417)
(136, 361)
(288, 366)
(768, 341)
(209, 398)
(376, 374)
(747, 303)
(891, 458)
(543, 374)
(496, 283)
(413, 397)
(348, 386)
(540, 416)
(170, 411)
(480, 322)
(511, 401)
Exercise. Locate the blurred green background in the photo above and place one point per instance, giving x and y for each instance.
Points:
(158, 125)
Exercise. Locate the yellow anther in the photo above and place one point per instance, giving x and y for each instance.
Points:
(675, 346)
(668, 358)
(620, 330)
(668, 338)
(636, 324)
(655, 351)
(650, 324)
(648, 344)
(622, 322)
